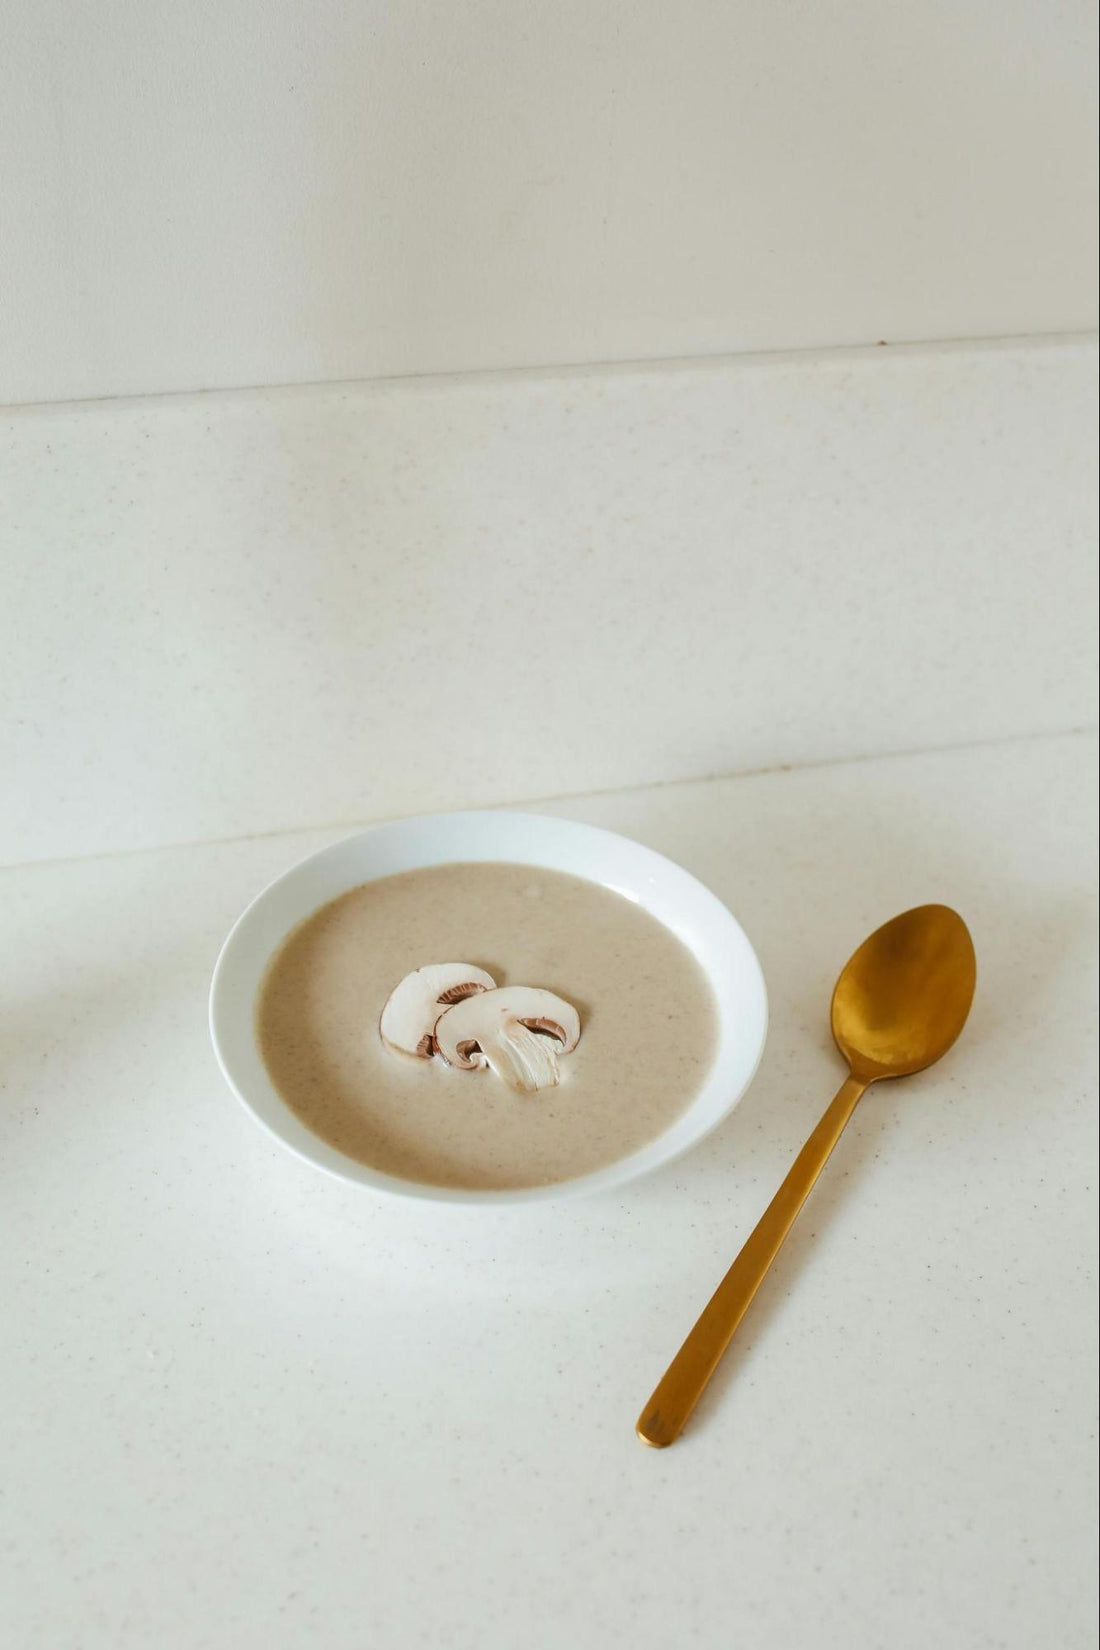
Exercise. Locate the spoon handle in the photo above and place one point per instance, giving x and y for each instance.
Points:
(681, 1386)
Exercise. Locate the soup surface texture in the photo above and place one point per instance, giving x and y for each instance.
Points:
(648, 1025)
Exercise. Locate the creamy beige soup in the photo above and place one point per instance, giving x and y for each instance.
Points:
(648, 1017)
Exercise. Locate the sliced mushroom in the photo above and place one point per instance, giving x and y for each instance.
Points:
(501, 1029)
(413, 1007)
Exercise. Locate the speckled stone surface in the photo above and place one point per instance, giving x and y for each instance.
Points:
(273, 610)
(250, 1409)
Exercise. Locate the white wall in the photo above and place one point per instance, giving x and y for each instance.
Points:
(259, 191)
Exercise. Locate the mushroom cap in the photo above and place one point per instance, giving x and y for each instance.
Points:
(459, 1031)
(415, 1004)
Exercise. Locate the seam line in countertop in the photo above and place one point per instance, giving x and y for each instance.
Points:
(532, 803)
(549, 372)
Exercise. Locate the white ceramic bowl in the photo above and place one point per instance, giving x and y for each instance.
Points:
(677, 899)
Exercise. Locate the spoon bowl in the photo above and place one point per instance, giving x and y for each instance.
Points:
(903, 997)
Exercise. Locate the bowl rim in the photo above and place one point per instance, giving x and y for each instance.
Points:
(644, 1160)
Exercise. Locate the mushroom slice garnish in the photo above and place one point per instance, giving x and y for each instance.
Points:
(501, 1029)
(413, 1007)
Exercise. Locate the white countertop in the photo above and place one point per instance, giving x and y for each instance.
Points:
(250, 612)
(249, 1408)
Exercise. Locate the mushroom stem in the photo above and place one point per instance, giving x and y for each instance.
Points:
(521, 1058)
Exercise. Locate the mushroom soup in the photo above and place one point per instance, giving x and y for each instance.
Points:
(595, 1030)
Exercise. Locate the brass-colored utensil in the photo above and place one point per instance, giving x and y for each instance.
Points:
(898, 1006)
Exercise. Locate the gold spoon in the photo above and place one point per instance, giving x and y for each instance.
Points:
(898, 1006)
